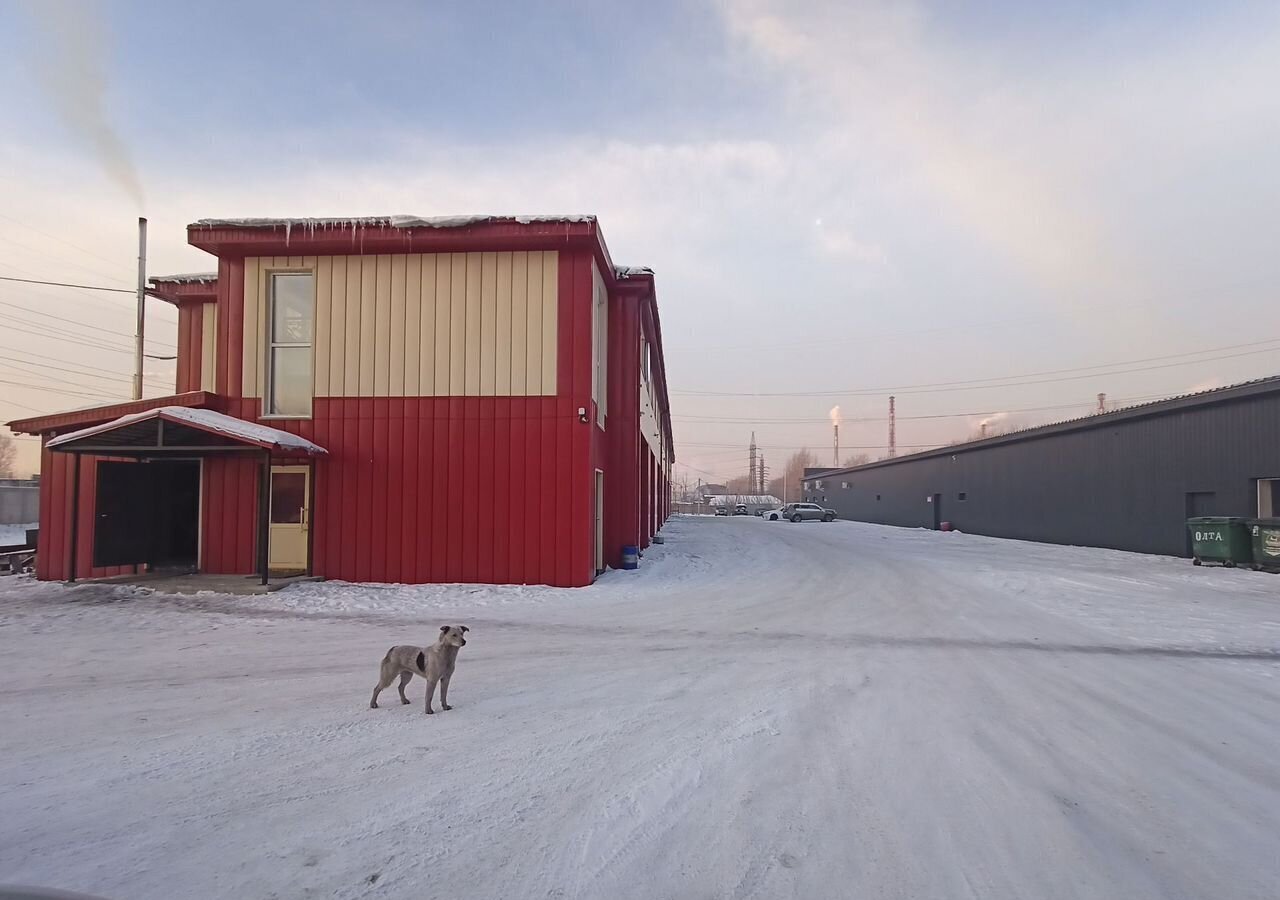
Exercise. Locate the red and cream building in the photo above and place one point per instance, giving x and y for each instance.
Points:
(483, 399)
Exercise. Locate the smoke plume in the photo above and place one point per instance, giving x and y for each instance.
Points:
(834, 415)
(74, 72)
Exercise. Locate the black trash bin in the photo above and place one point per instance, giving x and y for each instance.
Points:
(1265, 537)
(1224, 540)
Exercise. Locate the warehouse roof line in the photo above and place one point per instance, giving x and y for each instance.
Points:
(1239, 391)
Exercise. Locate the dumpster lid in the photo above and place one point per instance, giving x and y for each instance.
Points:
(1216, 520)
(1268, 522)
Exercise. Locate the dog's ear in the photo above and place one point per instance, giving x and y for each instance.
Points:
(444, 628)
(463, 628)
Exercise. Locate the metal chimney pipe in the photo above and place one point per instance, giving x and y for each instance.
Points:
(142, 309)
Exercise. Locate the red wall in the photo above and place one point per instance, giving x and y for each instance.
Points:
(53, 561)
(428, 489)
(431, 489)
(190, 346)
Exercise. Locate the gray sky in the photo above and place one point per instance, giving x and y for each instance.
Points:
(838, 202)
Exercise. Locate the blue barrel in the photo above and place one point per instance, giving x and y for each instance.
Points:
(630, 557)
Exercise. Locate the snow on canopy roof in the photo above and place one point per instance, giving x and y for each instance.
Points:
(747, 499)
(396, 221)
(624, 272)
(185, 278)
(206, 419)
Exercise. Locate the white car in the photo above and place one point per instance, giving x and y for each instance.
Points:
(772, 515)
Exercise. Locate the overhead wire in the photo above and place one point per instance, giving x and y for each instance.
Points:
(1011, 380)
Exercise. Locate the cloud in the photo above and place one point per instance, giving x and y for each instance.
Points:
(1062, 160)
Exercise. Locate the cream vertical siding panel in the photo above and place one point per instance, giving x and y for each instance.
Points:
(395, 381)
(412, 311)
(427, 329)
(351, 361)
(471, 375)
(381, 326)
(338, 327)
(252, 348)
(458, 325)
(550, 319)
(519, 322)
(488, 323)
(209, 347)
(533, 334)
(368, 297)
(444, 310)
(323, 318)
(502, 327)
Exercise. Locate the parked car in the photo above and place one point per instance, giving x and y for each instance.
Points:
(741, 510)
(800, 512)
(722, 510)
(772, 515)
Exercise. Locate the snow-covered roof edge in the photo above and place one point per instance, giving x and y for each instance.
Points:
(625, 272)
(206, 419)
(394, 221)
(185, 278)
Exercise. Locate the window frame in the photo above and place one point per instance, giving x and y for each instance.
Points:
(269, 344)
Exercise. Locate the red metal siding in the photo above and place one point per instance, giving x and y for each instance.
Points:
(53, 560)
(429, 489)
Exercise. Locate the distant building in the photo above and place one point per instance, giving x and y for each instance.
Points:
(1126, 479)
(471, 399)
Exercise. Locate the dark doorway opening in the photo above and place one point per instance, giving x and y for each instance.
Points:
(1198, 503)
(937, 512)
(147, 513)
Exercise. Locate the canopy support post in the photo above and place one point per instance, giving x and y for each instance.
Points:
(264, 516)
(75, 518)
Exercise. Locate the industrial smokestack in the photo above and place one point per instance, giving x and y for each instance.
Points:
(1102, 403)
(834, 415)
(140, 329)
(893, 437)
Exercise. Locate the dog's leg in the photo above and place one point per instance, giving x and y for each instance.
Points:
(444, 691)
(431, 692)
(385, 677)
(405, 677)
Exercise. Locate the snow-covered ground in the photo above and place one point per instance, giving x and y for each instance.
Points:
(763, 710)
(14, 534)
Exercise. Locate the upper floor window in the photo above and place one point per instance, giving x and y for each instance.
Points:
(292, 330)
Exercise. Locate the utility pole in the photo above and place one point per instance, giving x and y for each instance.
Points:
(751, 464)
(893, 438)
(142, 309)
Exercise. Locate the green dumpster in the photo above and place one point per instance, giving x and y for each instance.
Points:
(1266, 543)
(1220, 539)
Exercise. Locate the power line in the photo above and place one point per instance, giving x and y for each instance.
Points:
(36, 387)
(93, 370)
(863, 420)
(39, 368)
(60, 240)
(63, 284)
(36, 312)
(981, 383)
(61, 262)
(71, 338)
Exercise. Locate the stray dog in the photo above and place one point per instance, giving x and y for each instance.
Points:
(434, 663)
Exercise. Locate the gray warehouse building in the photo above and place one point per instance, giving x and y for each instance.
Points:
(1126, 479)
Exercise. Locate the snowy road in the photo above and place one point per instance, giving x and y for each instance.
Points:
(764, 710)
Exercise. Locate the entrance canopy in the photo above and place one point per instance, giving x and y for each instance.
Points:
(172, 431)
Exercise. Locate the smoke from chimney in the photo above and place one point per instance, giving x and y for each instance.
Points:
(74, 72)
(834, 415)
